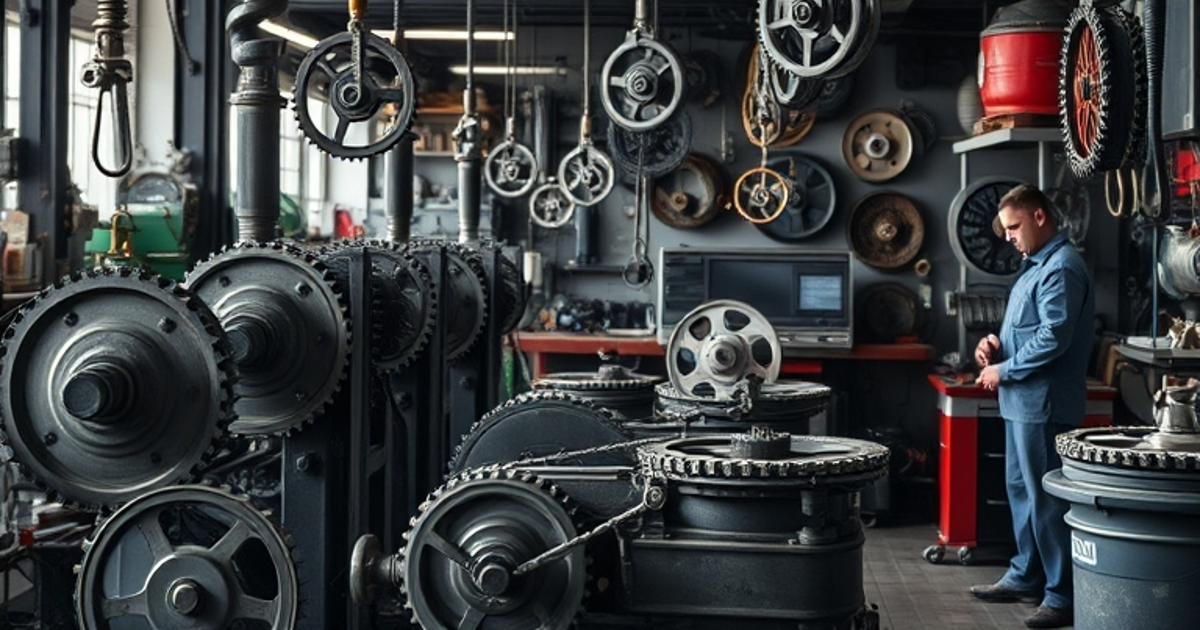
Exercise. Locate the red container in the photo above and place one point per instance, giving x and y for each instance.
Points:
(1018, 71)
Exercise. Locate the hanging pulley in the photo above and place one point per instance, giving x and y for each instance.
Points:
(549, 206)
(886, 230)
(642, 81)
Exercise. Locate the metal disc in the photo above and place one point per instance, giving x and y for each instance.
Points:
(690, 196)
(719, 344)
(808, 457)
(288, 327)
(464, 546)
(781, 401)
(612, 387)
(187, 557)
(114, 383)
(812, 199)
(812, 39)
(971, 224)
(889, 312)
(540, 423)
(641, 84)
(878, 145)
(1144, 448)
(886, 230)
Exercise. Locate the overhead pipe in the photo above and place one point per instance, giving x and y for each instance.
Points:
(258, 104)
(468, 154)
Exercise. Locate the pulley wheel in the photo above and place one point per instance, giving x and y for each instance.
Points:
(972, 228)
(1098, 90)
(886, 230)
(288, 326)
(550, 207)
(812, 198)
(187, 557)
(880, 144)
(691, 195)
(641, 82)
(816, 39)
(114, 383)
(760, 195)
(889, 312)
(464, 547)
(719, 344)
(586, 175)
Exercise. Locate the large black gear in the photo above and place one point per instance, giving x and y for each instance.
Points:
(1140, 448)
(114, 383)
(813, 459)
(539, 424)
(818, 38)
(657, 151)
(289, 329)
(187, 557)
(513, 295)
(1096, 104)
(464, 297)
(469, 538)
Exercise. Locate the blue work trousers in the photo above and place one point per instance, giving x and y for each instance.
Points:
(1043, 537)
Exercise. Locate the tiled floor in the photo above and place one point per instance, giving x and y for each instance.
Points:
(913, 594)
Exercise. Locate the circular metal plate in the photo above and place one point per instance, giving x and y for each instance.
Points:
(719, 344)
(808, 457)
(886, 230)
(811, 202)
(972, 227)
(692, 195)
(878, 145)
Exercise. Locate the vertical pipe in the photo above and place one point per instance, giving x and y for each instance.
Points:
(258, 102)
(398, 190)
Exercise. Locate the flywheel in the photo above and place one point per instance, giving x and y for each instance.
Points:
(718, 345)
(464, 552)
(974, 234)
(1101, 90)
(878, 145)
(811, 202)
(692, 195)
(187, 557)
(288, 326)
(114, 383)
(886, 230)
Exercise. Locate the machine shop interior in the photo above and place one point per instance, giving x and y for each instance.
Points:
(545, 314)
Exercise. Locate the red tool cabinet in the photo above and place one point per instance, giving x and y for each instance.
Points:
(972, 501)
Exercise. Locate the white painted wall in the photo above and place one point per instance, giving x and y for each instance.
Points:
(154, 78)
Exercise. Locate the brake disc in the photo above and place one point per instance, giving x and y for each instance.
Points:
(327, 72)
(818, 38)
(889, 312)
(878, 145)
(288, 327)
(765, 454)
(691, 195)
(658, 151)
(511, 169)
(541, 423)
(972, 227)
(886, 230)
(1095, 76)
(642, 82)
(811, 201)
(465, 297)
(718, 345)
(403, 300)
(469, 538)
(114, 383)
(187, 557)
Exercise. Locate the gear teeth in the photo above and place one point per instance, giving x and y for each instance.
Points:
(672, 460)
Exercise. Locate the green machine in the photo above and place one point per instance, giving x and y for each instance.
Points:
(152, 227)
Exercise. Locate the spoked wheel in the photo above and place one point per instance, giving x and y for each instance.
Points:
(719, 344)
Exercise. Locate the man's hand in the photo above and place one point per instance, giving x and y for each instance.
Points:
(986, 348)
(989, 377)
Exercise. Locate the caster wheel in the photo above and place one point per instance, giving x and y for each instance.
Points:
(964, 555)
(934, 553)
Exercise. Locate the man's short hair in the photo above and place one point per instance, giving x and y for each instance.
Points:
(1029, 198)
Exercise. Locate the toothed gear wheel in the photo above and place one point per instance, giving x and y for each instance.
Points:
(818, 38)
(470, 536)
(114, 383)
(464, 298)
(1094, 96)
(1143, 448)
(187, 557)
(781, 401)
(641, 82)
(1135, 149)
(541, 423)
(288, 327)
(657, 151)
(403, 307)
(814, 459)
(327, 74)
(512, 298)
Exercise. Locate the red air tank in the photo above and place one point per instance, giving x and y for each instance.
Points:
(1019, 56)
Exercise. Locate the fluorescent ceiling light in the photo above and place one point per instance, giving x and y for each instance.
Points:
(516, 70)
(449, 35)
(296, 37)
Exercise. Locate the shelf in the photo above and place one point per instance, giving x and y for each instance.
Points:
(1009, 136)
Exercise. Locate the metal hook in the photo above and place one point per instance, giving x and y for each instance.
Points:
(121, 133)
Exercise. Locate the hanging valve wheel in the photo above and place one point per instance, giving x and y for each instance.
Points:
(642, 82)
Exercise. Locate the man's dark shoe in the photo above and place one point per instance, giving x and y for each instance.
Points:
(1002, 593)
(1047, 617)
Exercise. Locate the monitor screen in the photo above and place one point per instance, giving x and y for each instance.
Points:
(820, 293)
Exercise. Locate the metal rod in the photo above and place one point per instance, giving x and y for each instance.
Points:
(468, 155)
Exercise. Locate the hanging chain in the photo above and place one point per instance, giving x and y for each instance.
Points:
(353, 92)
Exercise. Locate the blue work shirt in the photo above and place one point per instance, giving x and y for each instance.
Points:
(1046, 338)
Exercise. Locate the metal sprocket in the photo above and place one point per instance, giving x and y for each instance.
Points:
(187, 557)
(464, 297)
(114, 383)
(288, 326)
(468, 539)
(811, 458)
(1130, 447)
(818, 38)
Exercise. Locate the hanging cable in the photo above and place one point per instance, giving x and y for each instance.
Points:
(110, 72)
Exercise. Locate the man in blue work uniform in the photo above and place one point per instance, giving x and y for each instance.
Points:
(1038, 366)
